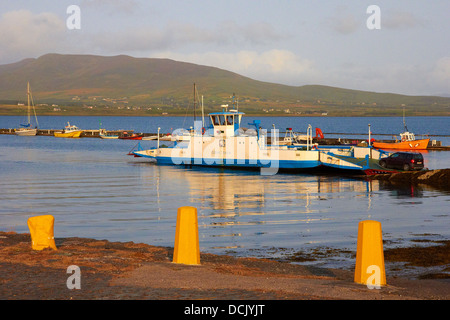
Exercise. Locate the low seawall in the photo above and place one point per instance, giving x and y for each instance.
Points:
(439, 179)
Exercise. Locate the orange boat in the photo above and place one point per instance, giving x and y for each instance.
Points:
(408, 142)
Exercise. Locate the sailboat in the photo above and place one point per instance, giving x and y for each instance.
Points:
(407, 141)
(26, 129)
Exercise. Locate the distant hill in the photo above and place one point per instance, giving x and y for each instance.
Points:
(88, 80)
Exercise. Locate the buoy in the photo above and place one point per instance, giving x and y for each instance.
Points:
(369, 269)
(41, 230)
(186, 249)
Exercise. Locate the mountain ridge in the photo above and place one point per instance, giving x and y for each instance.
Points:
(73, 78)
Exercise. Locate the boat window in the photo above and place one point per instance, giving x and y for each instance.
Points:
(230, 120)
(222, 120)
(215, 120)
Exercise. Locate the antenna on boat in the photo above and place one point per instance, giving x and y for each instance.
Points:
(194, 103)
(404, 123)
(203, 114)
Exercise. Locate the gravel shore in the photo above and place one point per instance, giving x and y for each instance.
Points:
(135, 271)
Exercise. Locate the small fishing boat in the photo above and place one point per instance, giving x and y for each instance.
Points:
(26, 129)
(407, 141)
(70, 131)
(133, 136)
(107, 135)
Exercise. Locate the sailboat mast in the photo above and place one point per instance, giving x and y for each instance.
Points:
(28, 96)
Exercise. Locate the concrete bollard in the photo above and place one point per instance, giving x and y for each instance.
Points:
(186, 249)
(369, 269)
(41, 230)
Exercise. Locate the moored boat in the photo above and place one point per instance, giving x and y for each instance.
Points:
(107, 135)
(133, 136)
(407, 141)
(70, 131)
(26, 129)
(413, 144)
(225, 144)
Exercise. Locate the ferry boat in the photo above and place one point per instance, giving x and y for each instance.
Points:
(226, 144)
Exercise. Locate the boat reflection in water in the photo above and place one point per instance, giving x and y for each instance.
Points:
(243, 213)
(245, 210)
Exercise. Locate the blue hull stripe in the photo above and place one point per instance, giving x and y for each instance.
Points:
(283, 164)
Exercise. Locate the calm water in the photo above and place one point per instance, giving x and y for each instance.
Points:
(95, 190)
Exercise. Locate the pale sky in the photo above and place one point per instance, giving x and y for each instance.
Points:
(293, 42)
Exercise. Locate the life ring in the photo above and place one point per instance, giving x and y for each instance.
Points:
(403, 139)
(203, 130)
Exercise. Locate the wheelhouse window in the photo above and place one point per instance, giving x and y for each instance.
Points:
(223, 120)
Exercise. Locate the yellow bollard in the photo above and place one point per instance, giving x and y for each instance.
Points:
(186, 249)
(369, 268)
(41, 229)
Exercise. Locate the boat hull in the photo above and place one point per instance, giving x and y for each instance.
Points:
(130, 138)
(280, 164)
(74, 134)
(26, 132)
(280, 159)
(403, 145)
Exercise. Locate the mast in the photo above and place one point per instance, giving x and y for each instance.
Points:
(404, 123)
(28, 96)
(203, 115)
(194, 103)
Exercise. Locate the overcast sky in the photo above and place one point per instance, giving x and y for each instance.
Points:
(294, 42)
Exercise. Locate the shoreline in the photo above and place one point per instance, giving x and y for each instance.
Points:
(438, 178)
(247, 113)
(136, 271)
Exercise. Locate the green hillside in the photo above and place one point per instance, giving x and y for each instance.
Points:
(123, 84)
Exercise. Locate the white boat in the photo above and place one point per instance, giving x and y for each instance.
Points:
(107, 135)
(150, 138)
(225, 144)
(26, 129)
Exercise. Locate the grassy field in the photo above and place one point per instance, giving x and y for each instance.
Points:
(268, 109)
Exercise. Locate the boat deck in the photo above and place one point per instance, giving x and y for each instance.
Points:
(369, 166)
